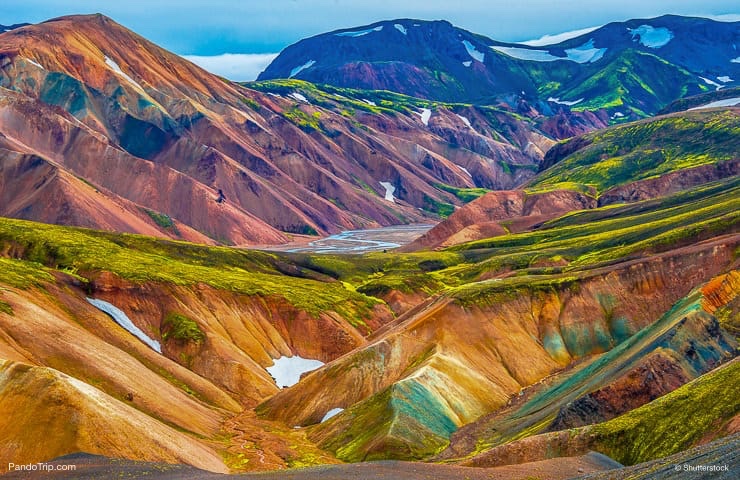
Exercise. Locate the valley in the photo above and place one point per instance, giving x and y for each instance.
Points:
(463, 258)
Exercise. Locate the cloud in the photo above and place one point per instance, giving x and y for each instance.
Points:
(727, 17)
(238, 67)
(557, 38)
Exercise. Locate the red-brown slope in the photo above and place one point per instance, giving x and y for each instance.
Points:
(501, 212)
(34, 188)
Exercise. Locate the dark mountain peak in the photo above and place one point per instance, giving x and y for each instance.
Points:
(437, 60)
(7, 28)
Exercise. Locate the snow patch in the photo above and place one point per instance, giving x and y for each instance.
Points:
(465, 120)
(468, 63)
(465, 170)
(287, 370)
(332, 413)
(586, 53)
(299, 97)
(400, 28)
(389, 189)
(527, 54)
(34, 63)
(735, 60)
(650, 36)
(112, 64)
(617, 115)
(369, 102)
(121, 319)
(359, 33)
(301, 68)
(564, 102)
(712, 83)
(725, 79)
(474, 53)
(727, 102)
(425, 115)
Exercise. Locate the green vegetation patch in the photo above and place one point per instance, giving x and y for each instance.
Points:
(161, 219)
(140, 259)
(464, 194)
(647, 149)
(20, 274)
(183, 328)
(6, 308)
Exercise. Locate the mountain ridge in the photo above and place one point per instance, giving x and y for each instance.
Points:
(445, 62)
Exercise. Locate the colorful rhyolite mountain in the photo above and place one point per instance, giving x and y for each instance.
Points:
(632, 68)
(101, 128)
(596, 310)
(487, 354)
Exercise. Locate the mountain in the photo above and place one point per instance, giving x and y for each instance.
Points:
(582, 317)
(110, 131)
(7, 28)
(631, 68)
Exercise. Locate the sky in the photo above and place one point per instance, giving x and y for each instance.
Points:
(237, 39)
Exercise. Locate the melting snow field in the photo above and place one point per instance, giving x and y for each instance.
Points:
(425, 115)
(650, 36)
(299, 97)
(400, 28)
(527, 54)
(121, 319)
(465, 120)
(301, 68)
(359, 33)
(332, 413)
(727, 102)
(564, 102)
(112, 64)
(585, 53)
(473, 52)
(712, 83)
(389, 189)
(287, 370)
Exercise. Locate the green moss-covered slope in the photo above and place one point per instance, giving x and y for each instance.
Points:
(646, 149)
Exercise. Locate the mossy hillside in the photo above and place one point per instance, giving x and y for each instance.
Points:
(142, 259)
(348, 100)
(577, 243)
(464, 194)
(674, 422)
(647, 149)
(377, 273)
(21, 274)
(634, 80)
